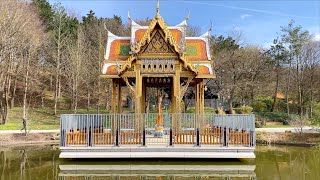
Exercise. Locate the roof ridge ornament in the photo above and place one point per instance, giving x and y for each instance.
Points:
(129, 17)
(158, 10)
(188, 16)
(210, 29)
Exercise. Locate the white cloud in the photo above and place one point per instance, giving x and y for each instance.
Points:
(243, 16)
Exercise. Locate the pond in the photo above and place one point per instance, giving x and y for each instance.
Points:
(272, 162)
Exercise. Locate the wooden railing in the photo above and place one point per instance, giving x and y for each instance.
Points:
(139, 129)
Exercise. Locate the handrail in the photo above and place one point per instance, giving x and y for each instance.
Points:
(139, 129)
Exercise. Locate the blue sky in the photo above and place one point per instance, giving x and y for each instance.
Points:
(259, 21)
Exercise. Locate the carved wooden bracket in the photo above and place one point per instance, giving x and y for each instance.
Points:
(183, 89)
(131, 87)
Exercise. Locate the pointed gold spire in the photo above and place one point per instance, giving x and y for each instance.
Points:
(158, 10)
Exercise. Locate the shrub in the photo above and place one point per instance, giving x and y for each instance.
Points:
(259, 106)
(316, 114)
(267, 100)
(276, 117)
(243, 110)
(220, 111)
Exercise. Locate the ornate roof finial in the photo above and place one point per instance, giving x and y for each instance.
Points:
(210, 29)
(187, 16)
(158, 9)
(129, 17)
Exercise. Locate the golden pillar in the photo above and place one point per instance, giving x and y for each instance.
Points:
(138, 90)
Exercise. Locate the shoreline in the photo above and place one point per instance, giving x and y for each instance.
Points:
(262, 138)
(288, 138)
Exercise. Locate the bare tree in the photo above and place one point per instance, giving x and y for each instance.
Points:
(75, 67)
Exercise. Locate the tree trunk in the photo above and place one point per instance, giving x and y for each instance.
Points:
(287, 89)
(299, 90)
(88, 100)
(42, 100)
(56, 95)
(24, 118)
(13, 92)
(276, 91)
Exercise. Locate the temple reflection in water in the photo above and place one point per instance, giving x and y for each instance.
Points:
(156, 172)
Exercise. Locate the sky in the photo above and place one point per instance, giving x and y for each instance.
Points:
(259, 21)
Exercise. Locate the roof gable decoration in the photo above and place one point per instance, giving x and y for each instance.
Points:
(136, 28)
(147, 38)
(111, 38)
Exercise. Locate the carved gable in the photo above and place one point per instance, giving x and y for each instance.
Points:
(158, 47)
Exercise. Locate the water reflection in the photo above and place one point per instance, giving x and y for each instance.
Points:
(43, 163)
(21, 163)
(287, 162)
(163, 172)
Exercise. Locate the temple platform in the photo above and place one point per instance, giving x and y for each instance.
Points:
(158, 152)
(133, 136)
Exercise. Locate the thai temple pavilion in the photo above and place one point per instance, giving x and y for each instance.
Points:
(161, 57)
(158, 55)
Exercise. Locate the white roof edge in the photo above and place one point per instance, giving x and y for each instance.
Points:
(182, 24)
(208, 65)
(108, 64)
(206, 34)
(111, 38)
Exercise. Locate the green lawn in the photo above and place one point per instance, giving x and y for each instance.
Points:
(39, 118)
(277, 126)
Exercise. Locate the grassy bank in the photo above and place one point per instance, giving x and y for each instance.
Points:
(305, 139)
(39, 118)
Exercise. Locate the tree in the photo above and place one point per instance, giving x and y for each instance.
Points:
(310, 56)
(224, 53)
(89, 18)
(193, 31)
(278, 57)
(295, 38)
(64, 29)
(45, 13)
(75, 67)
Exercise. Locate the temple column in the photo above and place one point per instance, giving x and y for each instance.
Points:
(176, 90)
(138, 90)
(199, 104)
(176, 101)
(116, 96)
(143, 98)
(199, 97)
(201, 108)
(119, 97)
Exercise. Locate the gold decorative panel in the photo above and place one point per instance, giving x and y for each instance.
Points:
(158, 47)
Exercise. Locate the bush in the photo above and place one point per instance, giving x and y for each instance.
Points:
(276, 117)
(316, 114)
(259, 106)
(267, 101)
(220, 111)
(243, 110)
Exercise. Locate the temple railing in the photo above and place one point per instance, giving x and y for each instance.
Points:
(92, 130)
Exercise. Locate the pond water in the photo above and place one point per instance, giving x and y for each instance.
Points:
(272, 162)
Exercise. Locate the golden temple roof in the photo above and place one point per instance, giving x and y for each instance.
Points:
(123, 50)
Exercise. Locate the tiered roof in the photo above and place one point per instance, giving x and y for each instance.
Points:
(195, 54)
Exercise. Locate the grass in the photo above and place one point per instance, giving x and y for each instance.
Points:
(287, 138)
(39, 118)
(278, 126)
